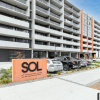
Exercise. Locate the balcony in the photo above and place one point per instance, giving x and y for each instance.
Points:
(76, 31)
(19, 3)
(55, 23)
(22, 1)
(44, 2)
(90, 46)
(55, 15)
(84, 45)
(68, 8)
(14, 22)
(43, 47)
(69, 15)
(42, 18)
(43, 10)
(77, 13)
(12, 32)
(68, 28)
(54, 7)
(12, 10)
(13, 45)
(90, 41)
(69, 22)
(71, 43)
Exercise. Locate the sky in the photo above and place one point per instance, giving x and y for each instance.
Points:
(92, 7)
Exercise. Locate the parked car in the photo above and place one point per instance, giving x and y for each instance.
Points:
(67, 64)
(83, 62)
(96, 60)
(54, 65)
(88, 62)
(76, 62)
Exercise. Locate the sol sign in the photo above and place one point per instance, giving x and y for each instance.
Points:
(27, 69)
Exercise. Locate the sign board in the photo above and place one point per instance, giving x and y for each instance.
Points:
(28, 69)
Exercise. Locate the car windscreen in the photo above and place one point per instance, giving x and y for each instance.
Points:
(56, 62)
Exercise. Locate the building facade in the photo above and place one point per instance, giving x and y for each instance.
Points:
(46, 29)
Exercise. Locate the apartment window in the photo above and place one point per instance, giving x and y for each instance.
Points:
(39, 54)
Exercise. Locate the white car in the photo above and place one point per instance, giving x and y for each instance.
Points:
(54, 65)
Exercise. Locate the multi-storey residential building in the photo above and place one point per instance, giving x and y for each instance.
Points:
(96, 39)
(45, 29)
(14, 29)
(86, 35)
(56, 28)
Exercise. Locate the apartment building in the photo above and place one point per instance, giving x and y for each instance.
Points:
(56, 28)
(96, 39)
(15, 37)
(46, 29)
(86, 36)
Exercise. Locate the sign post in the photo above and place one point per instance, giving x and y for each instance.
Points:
(28, 69)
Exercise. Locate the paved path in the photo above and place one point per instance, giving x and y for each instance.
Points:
(84, 78)
(55, 88)
(50, 89)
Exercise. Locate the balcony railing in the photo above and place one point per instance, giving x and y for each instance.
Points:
(44, 19)
(76, 12)
(68, 8)
(68, 28)
(68, 21)
(22, 1)
(41, 9)
(58, 1)
(55, 23)
(68, 14)
(43, 1)
(12, 7)
(54, 15)
(55, 7)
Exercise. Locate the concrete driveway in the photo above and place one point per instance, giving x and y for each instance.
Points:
(58, 88)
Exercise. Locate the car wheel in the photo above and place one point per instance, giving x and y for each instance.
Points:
(66, 68)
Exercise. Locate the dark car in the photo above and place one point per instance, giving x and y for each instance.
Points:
(76, 62)
(67, 64)
(83, 62)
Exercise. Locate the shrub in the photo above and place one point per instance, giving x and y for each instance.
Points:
(82, 68)
(10, 70)
(5, 80)
(72, 71)
(86, 68)
(49, 75)
(67, 72)
(78, 69)
(59, 73)
(3, 76)
(4, 71)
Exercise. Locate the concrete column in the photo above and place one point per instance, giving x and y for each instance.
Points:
(69, 54)
(31, 54)
(33, 25)
(46, 54)
(59, 53)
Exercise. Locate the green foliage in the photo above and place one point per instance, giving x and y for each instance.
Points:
(10, 70)
(5, 80)
(72, 71)
(82, 68)
(4, 71)
(67, 72)
(59, 73)
(49, 75)
(78, 69)
(3, 76)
